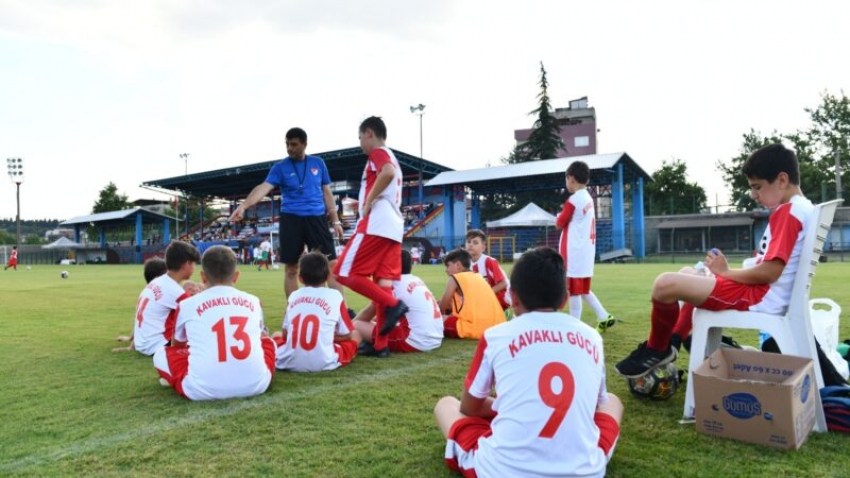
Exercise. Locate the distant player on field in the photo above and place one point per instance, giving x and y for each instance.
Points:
(220, 348)
(468, 301)
(577, 223)
(421, 328)
(13, 259)
(156, 309)
(317, 330)
(551, 414)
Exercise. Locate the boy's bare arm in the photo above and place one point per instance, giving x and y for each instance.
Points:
(476, 407)
(385, 177)
(765, 273)
(446, 299)
(499, 287)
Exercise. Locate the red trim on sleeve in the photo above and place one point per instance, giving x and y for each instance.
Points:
(476, 363)
(378, 158)
(346, 318)
(784, 230)
(494, 271)
(565, 215)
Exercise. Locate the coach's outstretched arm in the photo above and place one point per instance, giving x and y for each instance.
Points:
(262, 190)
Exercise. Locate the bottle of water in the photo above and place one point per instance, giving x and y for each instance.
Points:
(763, 336)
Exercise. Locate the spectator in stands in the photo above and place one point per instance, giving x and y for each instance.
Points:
(306, 203)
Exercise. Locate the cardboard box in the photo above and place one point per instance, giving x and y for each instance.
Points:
(755, 397)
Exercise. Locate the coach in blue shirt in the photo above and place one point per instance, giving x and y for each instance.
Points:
(306, 204)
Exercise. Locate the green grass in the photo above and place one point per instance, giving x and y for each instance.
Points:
(71, 407)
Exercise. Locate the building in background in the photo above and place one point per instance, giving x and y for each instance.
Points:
(578, 129)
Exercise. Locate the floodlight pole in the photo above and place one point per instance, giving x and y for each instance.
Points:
(185, 157)
(16, 174)
(419, 110)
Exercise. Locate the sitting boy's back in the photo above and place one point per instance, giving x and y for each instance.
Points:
(317, 330)
(220, 348)
(551, 414)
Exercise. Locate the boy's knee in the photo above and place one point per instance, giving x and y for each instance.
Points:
(664, 285)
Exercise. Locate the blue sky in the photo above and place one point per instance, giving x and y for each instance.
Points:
(97, 91)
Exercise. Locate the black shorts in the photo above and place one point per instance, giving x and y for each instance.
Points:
(299, 231)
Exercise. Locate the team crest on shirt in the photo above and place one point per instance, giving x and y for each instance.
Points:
(315, 171)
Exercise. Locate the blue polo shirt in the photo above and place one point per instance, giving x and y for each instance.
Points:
(300, 184)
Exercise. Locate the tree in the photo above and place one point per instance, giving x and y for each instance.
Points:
(545, 139)
(670, 193)
(110, 200)
(544, 143)
(816, 146)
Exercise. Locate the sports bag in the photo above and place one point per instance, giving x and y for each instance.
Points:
(836, 407)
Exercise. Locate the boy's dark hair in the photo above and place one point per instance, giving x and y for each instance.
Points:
(219, 263)
(297, 133)
(154, 267)
(539, 279)
(178, 253)
(313, 269)
(476, 233)
(459, 255)
(767, 162)
(580, 171)
(376, 124)
(406, 262)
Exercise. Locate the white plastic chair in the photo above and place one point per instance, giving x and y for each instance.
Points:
(792, 331)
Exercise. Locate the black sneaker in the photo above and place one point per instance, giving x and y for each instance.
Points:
(642, 360)
(676, 342)
(368, 350)
(392, 316)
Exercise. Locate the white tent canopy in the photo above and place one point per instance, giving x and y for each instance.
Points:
(530, 215)
(62, 243)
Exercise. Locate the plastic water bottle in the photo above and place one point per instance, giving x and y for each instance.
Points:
(763, 336)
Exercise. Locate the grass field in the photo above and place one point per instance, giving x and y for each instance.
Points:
(70, 407)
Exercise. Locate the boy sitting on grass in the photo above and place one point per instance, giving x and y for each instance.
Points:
(488, 267)
(156, 309)
(551, 414)
(317, 330)
(220, 348)
(468, 301)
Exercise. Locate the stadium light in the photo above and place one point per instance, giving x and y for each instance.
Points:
(16, 174)
(419, 110)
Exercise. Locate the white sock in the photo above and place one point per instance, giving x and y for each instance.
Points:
(594, 303)
(575, 306)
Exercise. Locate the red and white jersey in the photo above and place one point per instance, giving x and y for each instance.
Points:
(783, 239)
(313, 316)
(578, 234)
(223, 327)
(549, 375)
(423, 317)
(385, 217)
(14, 256)
(156, 312)
(489, 269)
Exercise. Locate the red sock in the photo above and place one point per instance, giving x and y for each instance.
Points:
(685, 322)
(663, 319)
(372, 291)
(381, 341)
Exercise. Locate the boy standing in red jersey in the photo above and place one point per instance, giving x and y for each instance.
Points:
(371, 260)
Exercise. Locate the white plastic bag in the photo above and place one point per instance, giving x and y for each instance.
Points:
(825, 315)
